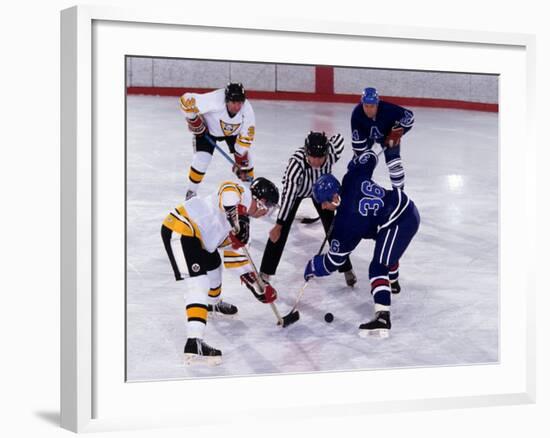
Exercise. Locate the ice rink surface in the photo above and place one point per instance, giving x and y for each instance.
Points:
(448, 309)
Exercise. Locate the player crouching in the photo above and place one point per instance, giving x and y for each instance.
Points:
(366, 210)
(193, 234)
(220, 115)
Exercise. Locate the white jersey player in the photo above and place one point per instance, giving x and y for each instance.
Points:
(194, 232)
(220, 115)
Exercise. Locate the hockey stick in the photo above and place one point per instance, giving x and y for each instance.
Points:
(262, 285)
(293, 316)
(221, 151)
(309, 220)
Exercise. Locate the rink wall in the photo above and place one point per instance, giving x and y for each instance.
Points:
(172, 77)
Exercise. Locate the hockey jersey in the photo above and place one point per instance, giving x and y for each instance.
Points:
(212, 108)
(205, 218)
(366, 131)
(365, 208)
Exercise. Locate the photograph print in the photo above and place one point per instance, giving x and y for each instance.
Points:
(285, 218)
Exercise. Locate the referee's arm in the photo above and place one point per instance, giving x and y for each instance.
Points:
(292, 180)
(336, 147)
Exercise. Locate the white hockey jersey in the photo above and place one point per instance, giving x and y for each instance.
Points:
(209, 214)
(212, 108)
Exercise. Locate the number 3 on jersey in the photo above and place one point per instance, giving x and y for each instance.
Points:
(373, 198)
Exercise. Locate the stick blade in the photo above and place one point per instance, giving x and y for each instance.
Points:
(310, 220)
(291, 318)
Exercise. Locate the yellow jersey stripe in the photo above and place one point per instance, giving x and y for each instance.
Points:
(229, 186)
(182, 224)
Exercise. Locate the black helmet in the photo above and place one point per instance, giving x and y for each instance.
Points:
(316, 144)
(234, 92)
(262, 188)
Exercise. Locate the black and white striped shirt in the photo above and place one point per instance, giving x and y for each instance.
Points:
(299, 176)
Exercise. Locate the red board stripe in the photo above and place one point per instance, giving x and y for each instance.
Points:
(336, 98)
(324, 80)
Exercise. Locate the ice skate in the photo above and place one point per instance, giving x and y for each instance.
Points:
(395, 287)
(350, 277)
(197, 351)
(190, 194)
(379, 326)
(224, 309)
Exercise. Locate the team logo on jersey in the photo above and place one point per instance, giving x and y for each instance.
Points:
(375, 133)
(364, 158)
(407, 120)
(229, 128)
(196, 267)
(189, 105)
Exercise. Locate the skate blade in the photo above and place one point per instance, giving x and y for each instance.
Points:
(195, 359)
(378, 333)
(218, 315)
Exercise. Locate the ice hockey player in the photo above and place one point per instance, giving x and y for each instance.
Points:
(376, 121)
(194, 233)
(366, 211)
(220, 115)
(305, 166)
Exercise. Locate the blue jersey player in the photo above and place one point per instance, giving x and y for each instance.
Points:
(366, 210)
(377, 121)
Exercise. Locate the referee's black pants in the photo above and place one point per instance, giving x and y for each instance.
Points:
(274, 251)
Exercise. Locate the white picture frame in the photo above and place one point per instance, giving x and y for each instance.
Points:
(93, 396)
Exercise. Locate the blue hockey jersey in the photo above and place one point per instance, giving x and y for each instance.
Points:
(365, 208)
(365, 131)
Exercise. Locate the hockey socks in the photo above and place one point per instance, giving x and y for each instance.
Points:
(393, 276)
(201, 161)
(381, 293)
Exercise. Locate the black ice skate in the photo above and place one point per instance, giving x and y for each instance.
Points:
(395, 287)
(223, 308)
(198, 351)
(350, 277)
(379, 326)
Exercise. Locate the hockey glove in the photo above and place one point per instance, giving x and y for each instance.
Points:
(270, 294)
(240, 239)
(316, 268)
(266, 295)
(242, 168)
(394, 137)
(197, 126)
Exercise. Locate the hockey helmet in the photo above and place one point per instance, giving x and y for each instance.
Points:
(325, 188)
(370, 96)
(234, 92)
(316, 144)
(263, 189)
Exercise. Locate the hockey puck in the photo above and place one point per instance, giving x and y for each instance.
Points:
(329, 317)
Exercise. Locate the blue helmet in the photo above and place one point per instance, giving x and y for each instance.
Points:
(325, 188)
(370, 96)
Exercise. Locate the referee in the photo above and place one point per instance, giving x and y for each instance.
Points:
(305, 166)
